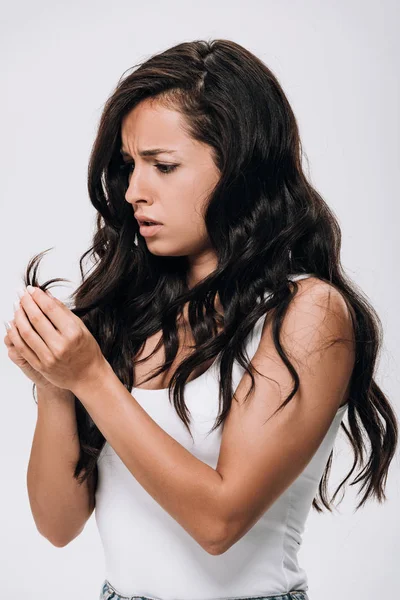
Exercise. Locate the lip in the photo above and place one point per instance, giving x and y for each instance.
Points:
(141, 218)
(149, 230)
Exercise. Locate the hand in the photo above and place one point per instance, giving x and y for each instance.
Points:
(23, 364)
(56, 343)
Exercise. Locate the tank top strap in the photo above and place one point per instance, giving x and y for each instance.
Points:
(298, 276)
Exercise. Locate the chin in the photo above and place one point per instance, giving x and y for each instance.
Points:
(158, 251)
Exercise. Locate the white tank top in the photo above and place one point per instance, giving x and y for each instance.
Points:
(148, 553)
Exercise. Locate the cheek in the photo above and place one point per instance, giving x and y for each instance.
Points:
(186, 228)
(194, 222)
(186, 213)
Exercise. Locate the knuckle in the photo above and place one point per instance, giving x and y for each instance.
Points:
(58, 353)
(34, 318)
(78, 335)
(74, 333)
(49, 361)
(13, 356)
(18, 343)
(49, 305)
(24, 330)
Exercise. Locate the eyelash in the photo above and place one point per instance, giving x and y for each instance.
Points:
(125, 168)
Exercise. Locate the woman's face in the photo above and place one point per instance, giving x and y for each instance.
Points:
(175, 198)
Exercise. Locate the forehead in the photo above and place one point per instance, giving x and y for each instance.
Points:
(150, 124)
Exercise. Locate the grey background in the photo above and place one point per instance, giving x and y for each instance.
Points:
(338, 63)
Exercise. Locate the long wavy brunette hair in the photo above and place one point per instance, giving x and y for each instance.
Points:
(264, 220)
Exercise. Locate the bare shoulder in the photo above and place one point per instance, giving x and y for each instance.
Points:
(321, 296)
(318, 311)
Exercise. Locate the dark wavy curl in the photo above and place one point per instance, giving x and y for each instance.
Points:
(265, 222)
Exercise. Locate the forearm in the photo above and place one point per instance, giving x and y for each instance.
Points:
(183, 485)
(59, 505)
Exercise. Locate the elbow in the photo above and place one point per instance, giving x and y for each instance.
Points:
(59, 542)
(216, 549)
(229, 534)
(220, 542)
(213, 529)
(53, 541)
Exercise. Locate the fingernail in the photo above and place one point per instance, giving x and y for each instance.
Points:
(20, 293)
(7, 325)
(30, 289)
(16, 305)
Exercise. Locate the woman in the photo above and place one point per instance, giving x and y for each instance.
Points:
(235, 295)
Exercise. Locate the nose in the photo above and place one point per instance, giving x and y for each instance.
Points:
(137, 189)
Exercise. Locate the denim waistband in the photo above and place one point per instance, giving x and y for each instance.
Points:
(108, 592)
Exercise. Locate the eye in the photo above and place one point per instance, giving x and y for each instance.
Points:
(126, 168)
(168, 168)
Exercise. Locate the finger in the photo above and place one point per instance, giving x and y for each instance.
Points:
(38, 331)
(23, 349)
(7, 341)
(60, 316)
(30, 327)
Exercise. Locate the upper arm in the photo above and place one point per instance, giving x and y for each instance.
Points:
(260, 459)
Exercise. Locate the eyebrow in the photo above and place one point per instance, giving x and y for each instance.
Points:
(150, 152)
